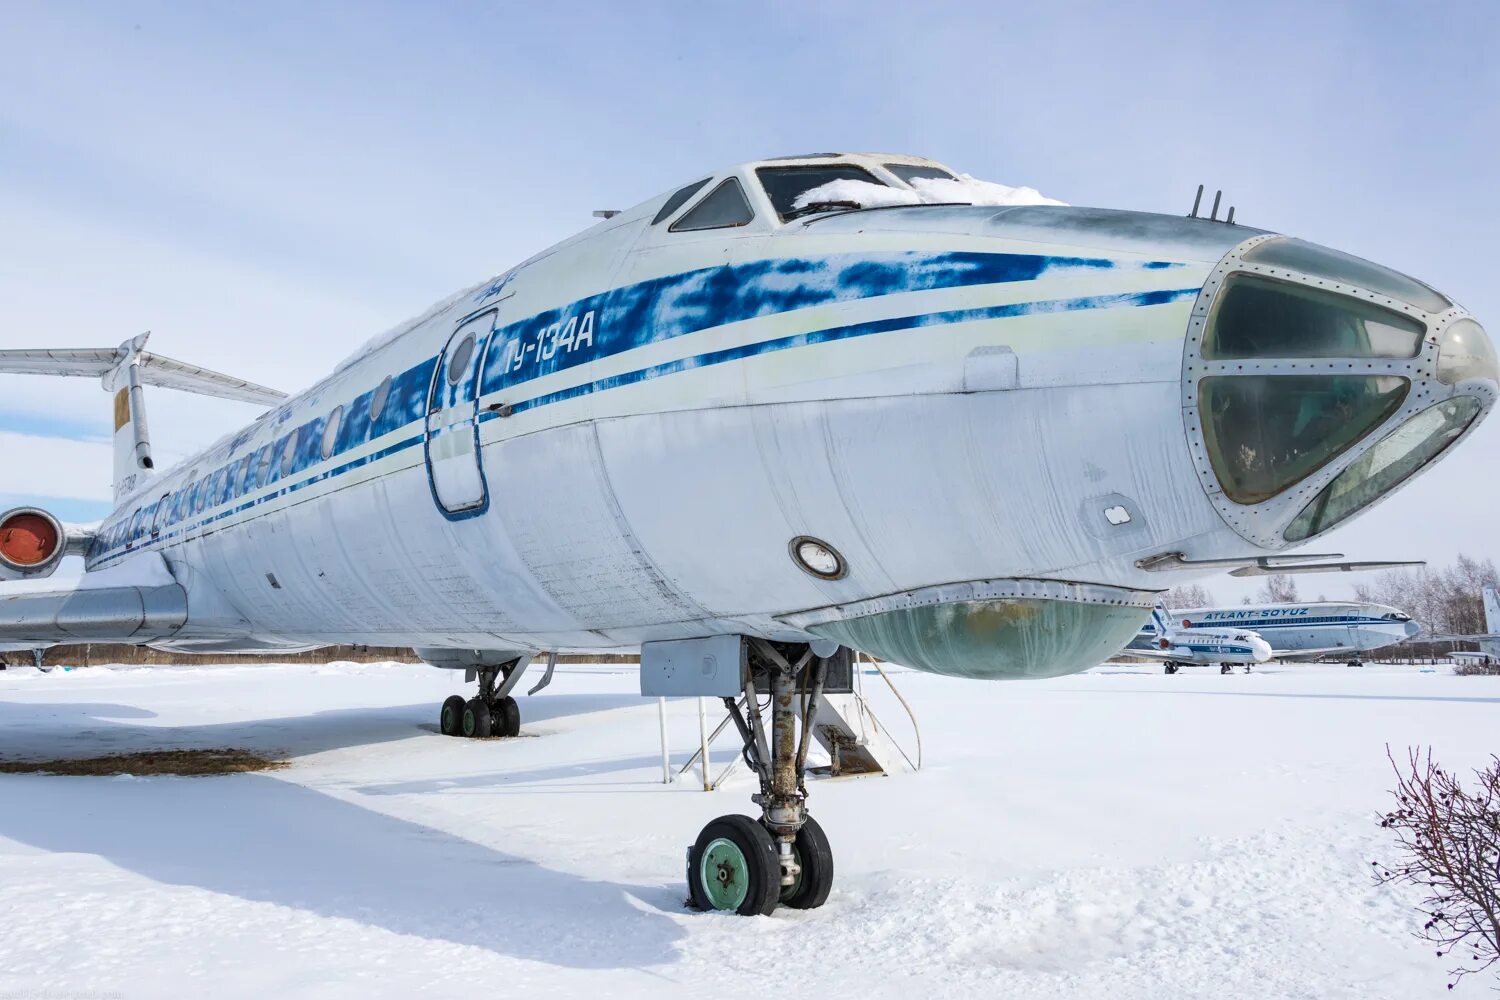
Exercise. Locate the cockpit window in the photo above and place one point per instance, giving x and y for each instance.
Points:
(785, 184)
(1392, 461)
(907, 171)
(724, 207)
(1258, 317)
(1265, 433)
(675, 202)
(1309, 258)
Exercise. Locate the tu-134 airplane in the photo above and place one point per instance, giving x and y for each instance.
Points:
(794, 408)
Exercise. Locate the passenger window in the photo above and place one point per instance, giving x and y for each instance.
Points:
(676, 201)
(784, 185)
(378, 401)
(331, 431)
(289, 453)
(458, 360)
(725, 207)
(907, 171)
(263, 476)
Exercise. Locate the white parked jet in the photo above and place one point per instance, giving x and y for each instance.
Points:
(1188, 645)
(754, 423)
(1306, 631)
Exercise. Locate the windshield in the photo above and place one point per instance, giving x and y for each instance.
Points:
(1266, 432)
(785, 184)
(1393, 460)
(907, 171)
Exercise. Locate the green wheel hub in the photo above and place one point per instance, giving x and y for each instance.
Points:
(725, 874)
(468, 723)
(451, 724)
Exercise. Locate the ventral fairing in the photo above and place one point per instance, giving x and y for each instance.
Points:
(974, 439)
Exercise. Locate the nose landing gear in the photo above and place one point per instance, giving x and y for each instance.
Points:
(749, 866)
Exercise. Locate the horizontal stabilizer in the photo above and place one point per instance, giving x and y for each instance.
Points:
(154, 369)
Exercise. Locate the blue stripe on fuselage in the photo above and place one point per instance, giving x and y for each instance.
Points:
(1131, 299)
(676, 305)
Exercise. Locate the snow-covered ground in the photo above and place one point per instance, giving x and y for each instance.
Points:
(1115, 834)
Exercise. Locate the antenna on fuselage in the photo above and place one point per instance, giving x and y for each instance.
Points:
(1213, 215)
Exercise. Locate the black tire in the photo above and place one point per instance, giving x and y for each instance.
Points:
(1225, 668)
(751, 867)
(1171, 668)
(451, 719)
(507, 717)
(478, 723)
(812, 851)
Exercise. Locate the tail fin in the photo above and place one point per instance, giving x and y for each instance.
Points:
(123, 371)
(1159, 619)
(1491, 610)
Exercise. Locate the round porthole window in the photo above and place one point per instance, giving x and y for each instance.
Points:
(289, 454)
(817, 558)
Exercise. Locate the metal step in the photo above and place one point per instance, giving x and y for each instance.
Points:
(854, 740)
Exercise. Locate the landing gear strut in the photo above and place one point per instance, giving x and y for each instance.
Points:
(492, 712)
(750, 866)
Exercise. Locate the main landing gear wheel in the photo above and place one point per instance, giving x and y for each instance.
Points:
(506, 716)
(814, 856)
(1171, 668)
(478, 723)
(451, 720)
(491, 712)
(733, 866)
(1225, 668)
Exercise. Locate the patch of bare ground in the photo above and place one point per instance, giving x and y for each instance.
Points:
(217, 760)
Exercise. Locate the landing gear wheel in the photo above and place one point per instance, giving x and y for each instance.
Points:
(1225, 668)
(478, 722)
(451, 720)
(507, 717)
(1171, 668)
(734, 866)
(813, 854)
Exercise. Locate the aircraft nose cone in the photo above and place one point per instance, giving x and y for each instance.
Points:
(1262, 650)
(1412, 628)
(1465, 352)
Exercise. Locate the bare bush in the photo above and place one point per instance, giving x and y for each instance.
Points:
(1448, 838)
(1476, 668)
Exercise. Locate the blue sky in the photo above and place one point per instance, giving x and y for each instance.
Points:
(266, 186)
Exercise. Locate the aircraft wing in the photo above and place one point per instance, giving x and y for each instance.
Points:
(1308, 654)
(1474, 637)
(137, 603)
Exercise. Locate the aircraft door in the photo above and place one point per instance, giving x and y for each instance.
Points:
(454, 465)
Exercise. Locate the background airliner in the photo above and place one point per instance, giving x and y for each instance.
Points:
(791, 408)
(1306, 631)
